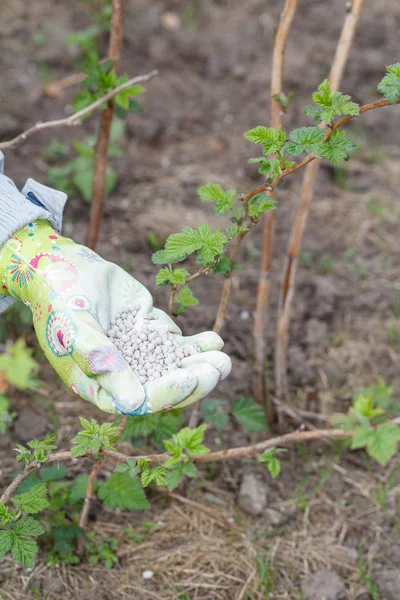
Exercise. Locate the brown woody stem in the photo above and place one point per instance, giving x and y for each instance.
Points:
(289, 275)
(259, 380)
(99, 177)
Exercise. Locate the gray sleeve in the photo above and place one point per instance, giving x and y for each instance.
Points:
(18, 209)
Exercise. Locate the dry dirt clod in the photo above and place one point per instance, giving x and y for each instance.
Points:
(253, 493)
(323, 585)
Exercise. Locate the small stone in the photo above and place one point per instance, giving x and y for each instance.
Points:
(324, 585)
(253, 494)
(147, 574)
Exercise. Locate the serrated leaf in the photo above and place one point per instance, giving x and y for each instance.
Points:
(174, 477)
(24, 551)
(272, 139)
(382, 446)
(181, 244)
(27, 526)
(213, 192)
(53, 473)
(389, 86)
(258, 204)
(158, 258)
(185, 299)
(274, 466)
(329, 104)
(178, 276)
(212, 414)
(121, 491)
(249, 414)
(361, 437)
(304, 139)
(189, 469)
(33, 501)
(78, 490)
(163, 276)
(5, 541)
(79, 450)
(336, 149)
(157, 475)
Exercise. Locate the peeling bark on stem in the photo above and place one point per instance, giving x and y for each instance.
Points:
(306, 194)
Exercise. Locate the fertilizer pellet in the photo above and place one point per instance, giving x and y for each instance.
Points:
(149, 353)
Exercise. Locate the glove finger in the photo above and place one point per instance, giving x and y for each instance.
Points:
(219, 360)
(207, 377)
(168, 391)
(202, 342)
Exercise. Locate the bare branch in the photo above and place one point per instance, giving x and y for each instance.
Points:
(260, 390)
(100, 165)
(289, 275)
(74, 119)
(230, 453)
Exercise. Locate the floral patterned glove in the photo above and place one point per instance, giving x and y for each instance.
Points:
(74, 294)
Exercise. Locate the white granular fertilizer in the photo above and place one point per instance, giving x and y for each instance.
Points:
(150, 352)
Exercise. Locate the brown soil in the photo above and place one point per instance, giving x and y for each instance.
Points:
(213, 86)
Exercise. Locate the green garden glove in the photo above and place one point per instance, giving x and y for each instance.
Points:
(74, 295)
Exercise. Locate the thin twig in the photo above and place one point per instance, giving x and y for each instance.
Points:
(220, 318)
(74, 119)
(89, 493)
(229, 453)
(260, 390)
(100, 166)
(289, 275)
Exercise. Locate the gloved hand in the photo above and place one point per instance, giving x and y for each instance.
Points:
(74, 294)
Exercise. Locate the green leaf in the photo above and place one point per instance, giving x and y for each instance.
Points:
(24, 551)
(213, 192)
(304, 140)
(336, 149)
(329, 104)
(157, 475)
(158, 258)
(390, 84)
(18, 365)
(185, 299)
(208, 243)
(272, 139)
(258, 204)
(268, 457)
(53, 473)
(78, 490)
(211, 411)
(274, 466)
(382, 446)
(270, 168)
(361, 437)
(33, 501)
(27, 526)
(189, 469)
(175, 277)
(124, 492)
(249, 414)
(129, 468)
(6, 538)
(174, 477)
